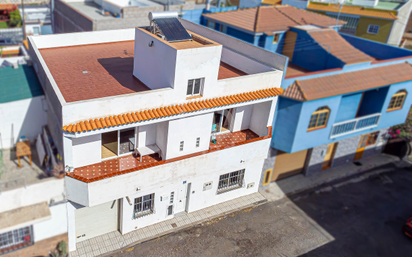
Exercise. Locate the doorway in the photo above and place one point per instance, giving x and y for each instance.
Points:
(109, 144)
(222, 121)
(182, 198)
(361, 147)
(330, 153)
(127, 141)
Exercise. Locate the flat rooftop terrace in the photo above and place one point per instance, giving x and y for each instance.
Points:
(101, 70)
(89, 9)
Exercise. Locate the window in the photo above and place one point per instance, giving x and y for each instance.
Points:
(20, 237)
(372, 137)
(211, 24)
(181, 145)
(373, 29)
(319, 118)
(397, 100)
(197, 142)
(172, 197)
(275, 38)
(222, 28)
(36, 31)
(230, 181)
(194, 87)
(266, 179)
(143, 205)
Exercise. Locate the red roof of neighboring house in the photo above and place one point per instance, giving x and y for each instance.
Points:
(344, 83)
(331, 41)
(271, 18)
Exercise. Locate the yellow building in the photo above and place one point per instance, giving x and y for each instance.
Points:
(383, 22)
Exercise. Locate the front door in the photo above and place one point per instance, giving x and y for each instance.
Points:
(181, 199)
(361, 147)
(330, 152)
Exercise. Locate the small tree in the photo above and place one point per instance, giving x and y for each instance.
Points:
(15, 18)
(403, 130)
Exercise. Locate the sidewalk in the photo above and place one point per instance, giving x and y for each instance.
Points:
(299, 183)
(114, 241)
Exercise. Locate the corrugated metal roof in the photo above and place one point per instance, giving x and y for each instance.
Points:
(18, 84)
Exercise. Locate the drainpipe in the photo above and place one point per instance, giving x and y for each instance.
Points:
(168, 5)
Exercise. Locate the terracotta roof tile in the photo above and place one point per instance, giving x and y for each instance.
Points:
(349, 82)
(269, 18)
(353, 10)
(339, 47)
(193, 106)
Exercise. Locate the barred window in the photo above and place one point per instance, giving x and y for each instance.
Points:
(21, 237)
(230, 181)
(143, 205)
(373, 29)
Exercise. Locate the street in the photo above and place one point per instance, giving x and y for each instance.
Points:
(349, 218)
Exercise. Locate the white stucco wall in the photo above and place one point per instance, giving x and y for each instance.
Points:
(86, 150)
(21, 118)
(260, 115)
(161, 137)
(146, 135)
(55, 226)
(188, 130)
(242, 117)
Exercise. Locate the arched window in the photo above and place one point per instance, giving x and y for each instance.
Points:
(319, 118)
(397, 100)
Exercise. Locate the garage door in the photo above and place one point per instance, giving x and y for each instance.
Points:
(96, 220)
(288, 164)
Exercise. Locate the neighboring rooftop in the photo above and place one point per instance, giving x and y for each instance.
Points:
(20, 83)
(344, 83)
(352, 10)
(89, 9)
(266, 19)
(332, 42)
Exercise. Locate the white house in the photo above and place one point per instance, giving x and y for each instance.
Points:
(156, 121)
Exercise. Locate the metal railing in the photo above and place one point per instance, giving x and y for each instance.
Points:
(355, 125)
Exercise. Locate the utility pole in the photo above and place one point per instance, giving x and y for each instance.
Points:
(340, 8)
(23, 20)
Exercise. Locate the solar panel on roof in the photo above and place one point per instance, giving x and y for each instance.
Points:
(172, 29)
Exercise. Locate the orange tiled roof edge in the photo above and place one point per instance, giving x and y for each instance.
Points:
(128, 118)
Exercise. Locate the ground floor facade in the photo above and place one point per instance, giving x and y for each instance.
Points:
(281, 165)
(164, 192)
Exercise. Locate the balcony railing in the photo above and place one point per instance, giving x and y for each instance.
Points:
(355, 125)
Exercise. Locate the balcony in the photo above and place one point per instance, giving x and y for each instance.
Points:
(355, 125)
(130, 163)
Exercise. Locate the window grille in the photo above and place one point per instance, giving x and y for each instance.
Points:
(172, 197)
(181, 145)
(143, 205)
(198, 142)
(230, 181)
(21, 237)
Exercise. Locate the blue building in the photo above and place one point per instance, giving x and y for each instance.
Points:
(342, 93)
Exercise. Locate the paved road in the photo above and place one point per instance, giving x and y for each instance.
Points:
(349, 219)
